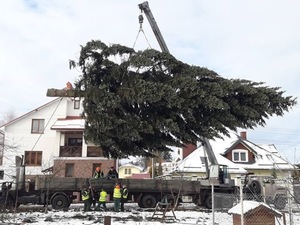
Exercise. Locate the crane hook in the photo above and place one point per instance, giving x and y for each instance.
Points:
(141, 20)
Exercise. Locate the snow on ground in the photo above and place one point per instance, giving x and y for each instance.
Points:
(186, 214)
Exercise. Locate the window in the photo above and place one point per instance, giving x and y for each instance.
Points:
(69, 170)
(127, 171)
(33, 158)
(240, 155)
(75, 142)
(1, 174)
(77, 104)
(37, 126)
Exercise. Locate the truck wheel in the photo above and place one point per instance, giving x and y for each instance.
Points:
(60, 202)
(279, 202)
(197, 201)
(148, 201)
(208, 202)
(140, 204)
(254, 186)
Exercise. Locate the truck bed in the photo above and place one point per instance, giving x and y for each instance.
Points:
(149, 185)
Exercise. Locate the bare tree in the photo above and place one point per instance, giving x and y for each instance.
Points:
(7, 117)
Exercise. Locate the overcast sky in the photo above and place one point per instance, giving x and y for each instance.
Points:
(255, 40)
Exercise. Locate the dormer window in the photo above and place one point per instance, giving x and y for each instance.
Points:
(239, 155)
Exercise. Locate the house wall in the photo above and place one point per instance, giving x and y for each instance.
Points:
(83, 167)
(70, 108)
(259, 218)
(280, 174)
(18, 134)
(236, 219)
(133, 170)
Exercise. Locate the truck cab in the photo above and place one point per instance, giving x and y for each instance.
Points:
(265, 188)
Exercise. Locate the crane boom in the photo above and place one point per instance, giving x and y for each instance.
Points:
(146, 9)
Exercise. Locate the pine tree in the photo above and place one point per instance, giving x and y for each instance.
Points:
(149, 100)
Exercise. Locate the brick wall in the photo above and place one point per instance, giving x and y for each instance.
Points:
(82, 168)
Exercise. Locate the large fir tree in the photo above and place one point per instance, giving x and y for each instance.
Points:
(136, 103)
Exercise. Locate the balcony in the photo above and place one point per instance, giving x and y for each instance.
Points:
(70, 151)
(93, 151)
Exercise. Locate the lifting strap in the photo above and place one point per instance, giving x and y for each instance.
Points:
(141, 20)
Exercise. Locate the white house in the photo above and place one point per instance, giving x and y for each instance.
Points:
(241, 155)
(51, 137)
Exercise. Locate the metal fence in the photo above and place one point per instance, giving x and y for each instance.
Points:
(251, 209)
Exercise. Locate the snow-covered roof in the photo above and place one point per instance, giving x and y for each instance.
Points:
(68, 124)
(193, 164)
(248, 206)
(266, 156)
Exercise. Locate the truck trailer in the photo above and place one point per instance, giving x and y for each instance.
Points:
(60, 192)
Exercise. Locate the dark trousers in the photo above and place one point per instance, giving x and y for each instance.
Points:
(99, 205)
(123, 200)
(87, 205)
(117, 204)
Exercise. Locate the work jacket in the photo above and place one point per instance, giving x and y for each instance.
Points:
(98, 174)
(117, 193)
(103, 195)
(85, 195)
(125, 193)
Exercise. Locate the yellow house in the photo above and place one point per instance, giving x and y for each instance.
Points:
(127, 170)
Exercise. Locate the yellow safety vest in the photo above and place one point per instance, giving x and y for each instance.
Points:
(117, 193)
(103, 195)
(85, 195)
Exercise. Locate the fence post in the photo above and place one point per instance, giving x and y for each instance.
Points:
(289, 196)
(213, 203)
(241, 200)
(107, 220)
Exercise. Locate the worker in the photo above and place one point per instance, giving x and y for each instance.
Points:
(86, 199)
(124, 193)
(117, 197)
(102, 200)
(93, 197)
(98, 173)
(112, 173)
(4, 191)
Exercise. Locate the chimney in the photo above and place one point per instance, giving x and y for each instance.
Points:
(243, 135)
